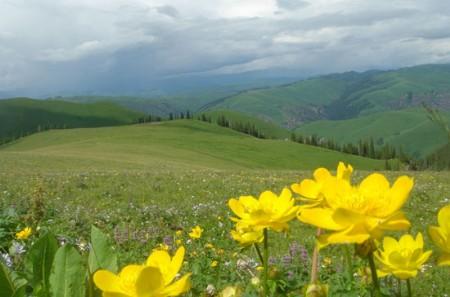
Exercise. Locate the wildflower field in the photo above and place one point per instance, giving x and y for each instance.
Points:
(149, 216)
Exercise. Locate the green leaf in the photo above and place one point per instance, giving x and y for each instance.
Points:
(39, 260)
(101, 255)
(10, 284)
(6, 284)
(68, 274)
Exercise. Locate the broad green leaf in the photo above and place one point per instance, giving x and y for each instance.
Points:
(39, 261)
(68, 274)
(101, 255)
(6, 283)
(10, 284)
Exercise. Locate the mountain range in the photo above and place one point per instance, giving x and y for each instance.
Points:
(346, 107)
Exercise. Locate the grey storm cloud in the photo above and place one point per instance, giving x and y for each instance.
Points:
(292, 4)
(53, 47)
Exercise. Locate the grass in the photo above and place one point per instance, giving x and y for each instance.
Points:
(268, 128)
(409, 129)
(22, 116)
(278, 103)
(188, 143)
(344, 96)
(139, 208)
(141, 183)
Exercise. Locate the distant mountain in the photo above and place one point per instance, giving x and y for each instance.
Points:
(344, 96)
(346, 107)
(22, 116)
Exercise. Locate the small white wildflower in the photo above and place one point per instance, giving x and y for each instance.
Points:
(210, 290)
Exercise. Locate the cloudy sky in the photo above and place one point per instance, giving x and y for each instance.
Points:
(54, 46)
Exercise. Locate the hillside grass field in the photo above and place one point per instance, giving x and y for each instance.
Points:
(141, 183)
(183, 142)
(344, 96)
(411, 130)
(22, 116)
(268, 128)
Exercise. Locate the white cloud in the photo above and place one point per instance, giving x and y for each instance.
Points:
(51, 45)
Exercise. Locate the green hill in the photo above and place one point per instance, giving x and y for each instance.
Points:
(409, 129)
(22, 116)
(187, 143)
(345, 96)
(266, 127)
(440, 159)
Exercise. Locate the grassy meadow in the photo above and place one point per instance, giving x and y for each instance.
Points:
(185, 143)
(23, 116)
(409, 129)
(140, 184)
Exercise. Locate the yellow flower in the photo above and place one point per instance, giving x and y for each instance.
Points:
(161, 247)
(152, 279)
(255, 281)
(230, 292)
(327, 261)
(196, 232)
(402, 258)
(269, 211)
(358, 213)
(214, 263)
(178, 233)
(247, 236)
(441, 235)
(178, 242)
(24, 234)
(311, 190)
(316, 290)
(209, 246)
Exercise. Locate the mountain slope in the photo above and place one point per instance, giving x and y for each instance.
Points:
(267, 128)
(21, 116)
(346, 95)
(409, 129)
(176, 143)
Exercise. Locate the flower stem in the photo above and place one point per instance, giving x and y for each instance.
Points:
(266, 263)
(399, 283)
(258, 251)
(408, 285)
(315, 262)
(348, 262)
(373, 270)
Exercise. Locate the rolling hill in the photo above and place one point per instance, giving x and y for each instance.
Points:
(22, 116)
(267, 128)
(410, 129)
(344, 96)
(188, 143)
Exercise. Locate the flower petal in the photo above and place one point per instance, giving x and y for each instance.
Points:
(344, 172)
(399, 193)
(107, 281)
(354, 234)
(444, 260)
(374, 186)
(319, 217)
(179, 287)
(438, 237)
(397, 221)
(149, 281)
(159, 259)
(444, 218)
(404, 274)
